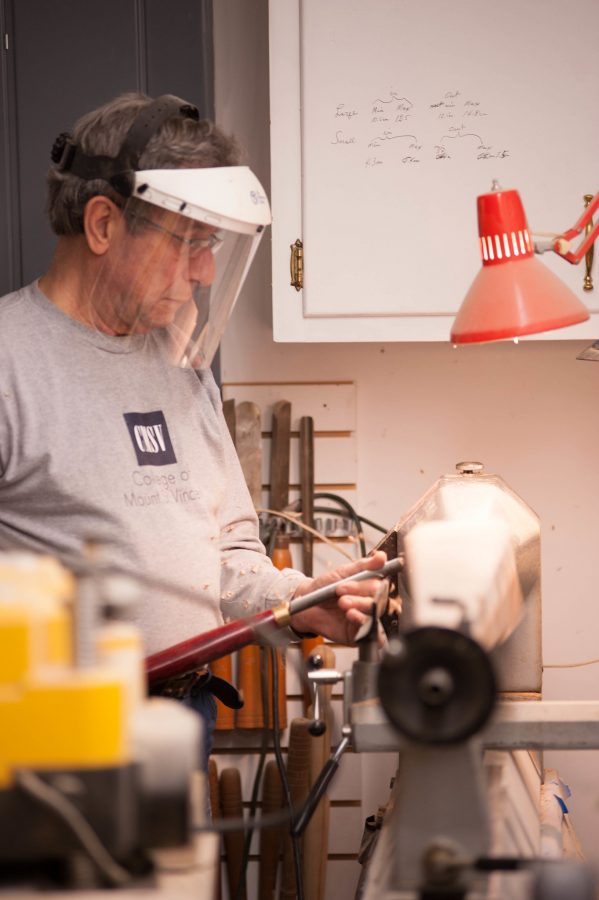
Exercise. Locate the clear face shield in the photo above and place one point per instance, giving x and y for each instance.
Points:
(185, 241)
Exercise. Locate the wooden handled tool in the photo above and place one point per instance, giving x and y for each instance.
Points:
(232, 808)
(281, 555)
(279, 455)
(251, 715)
(316, 838)
(307, 498)
(248, 442)
(252, 658)
(249, 682)
(298, 775)
(281, 698)
(280, 452)
(282, 560)
(270, 838)
(203, 648)
(307, 489)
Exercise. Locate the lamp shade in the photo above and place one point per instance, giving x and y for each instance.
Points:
(514, 294)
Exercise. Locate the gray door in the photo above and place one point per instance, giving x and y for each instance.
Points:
(61, 58)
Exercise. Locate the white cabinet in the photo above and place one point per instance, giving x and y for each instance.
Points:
(388, 118)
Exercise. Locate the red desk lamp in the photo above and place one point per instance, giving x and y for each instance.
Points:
(514, 294)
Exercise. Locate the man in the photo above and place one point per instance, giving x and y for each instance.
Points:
(111, 426)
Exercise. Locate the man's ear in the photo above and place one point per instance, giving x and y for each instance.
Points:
(101, 218)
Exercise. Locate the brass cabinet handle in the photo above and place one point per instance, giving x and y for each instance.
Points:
(297, 265)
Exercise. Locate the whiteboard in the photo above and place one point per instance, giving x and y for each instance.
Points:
(411, 108)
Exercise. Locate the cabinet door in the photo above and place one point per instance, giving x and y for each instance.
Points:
(387, 120)
(62, 58)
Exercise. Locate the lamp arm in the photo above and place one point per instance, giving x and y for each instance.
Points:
(561, 243)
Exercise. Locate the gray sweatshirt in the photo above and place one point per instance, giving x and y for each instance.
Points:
(101, 437)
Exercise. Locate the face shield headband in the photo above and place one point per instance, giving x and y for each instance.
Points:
(119, 170)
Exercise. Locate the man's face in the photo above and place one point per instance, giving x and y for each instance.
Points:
(155, 262)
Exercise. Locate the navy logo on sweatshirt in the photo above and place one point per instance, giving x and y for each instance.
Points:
(150, 438)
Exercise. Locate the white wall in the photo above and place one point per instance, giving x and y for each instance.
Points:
(529, 412)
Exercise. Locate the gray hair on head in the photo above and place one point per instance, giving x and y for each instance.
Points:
(179, 143)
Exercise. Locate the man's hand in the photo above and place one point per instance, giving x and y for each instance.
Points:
(340, 619)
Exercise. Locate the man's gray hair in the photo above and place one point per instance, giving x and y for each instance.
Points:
(179, 143)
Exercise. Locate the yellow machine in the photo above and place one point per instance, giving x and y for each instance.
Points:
(92, 774)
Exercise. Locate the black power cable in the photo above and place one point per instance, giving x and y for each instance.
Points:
(346, 510)
(362, 519)
(341, 501)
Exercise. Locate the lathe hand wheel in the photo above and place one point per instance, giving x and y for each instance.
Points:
(436, 685)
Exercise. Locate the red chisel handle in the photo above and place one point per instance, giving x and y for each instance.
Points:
(202, 649)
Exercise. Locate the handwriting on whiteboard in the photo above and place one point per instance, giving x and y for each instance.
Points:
(393, 130)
